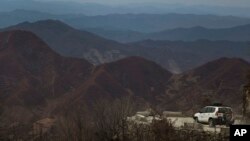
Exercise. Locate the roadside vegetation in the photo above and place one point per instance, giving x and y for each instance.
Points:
(106, 121)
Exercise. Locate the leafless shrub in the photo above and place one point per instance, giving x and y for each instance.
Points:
(74, 125)
(110, 119)
(107, 121)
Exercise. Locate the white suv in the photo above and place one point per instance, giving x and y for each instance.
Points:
(215, 115)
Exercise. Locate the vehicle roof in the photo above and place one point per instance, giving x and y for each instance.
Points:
(219, 106)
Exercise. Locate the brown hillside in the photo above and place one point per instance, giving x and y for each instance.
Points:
(133, 76)
(217, 81)
(31, 72)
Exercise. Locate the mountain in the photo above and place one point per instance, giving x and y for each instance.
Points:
(123, 36)
(36, 82)
(216, 81)
(104, 8)
(175, 56)
(38, 85)
(144, 23)
(75, 43)
(56, 7)
(134, 76)
(219, 80)
(154, 22)
(18, 16)
(237, 33)
(179, 56)
(32, 74)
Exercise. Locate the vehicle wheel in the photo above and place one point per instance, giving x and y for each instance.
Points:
(229, 123)
(211, 122)
(196, 120)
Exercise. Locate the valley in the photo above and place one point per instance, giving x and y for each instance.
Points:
(133, 71)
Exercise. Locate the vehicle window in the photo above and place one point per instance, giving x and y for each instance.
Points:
(203, 110)
(225, 110)
(210, 110)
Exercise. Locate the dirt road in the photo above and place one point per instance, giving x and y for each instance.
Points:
(179, 122)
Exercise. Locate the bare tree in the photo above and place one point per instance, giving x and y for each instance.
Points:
(110, 118)
(75, 125)
(246, 100)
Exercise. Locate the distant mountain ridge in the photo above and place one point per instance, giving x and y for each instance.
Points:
(135, 22)
(237, 33)
(154, 22)
(104, 8)
(176, 56)
(181, 56)
(75, 43)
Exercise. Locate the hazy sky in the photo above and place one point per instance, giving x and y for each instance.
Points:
(186, 2)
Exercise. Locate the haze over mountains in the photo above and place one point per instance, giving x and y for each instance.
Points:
(176, 56)
(135, 22)
(104, 8)
(180, 56)
(137, 27)
(237, 33)
(154, 22)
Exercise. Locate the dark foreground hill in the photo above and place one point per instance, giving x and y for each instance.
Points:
(31, 73)
(35, 81)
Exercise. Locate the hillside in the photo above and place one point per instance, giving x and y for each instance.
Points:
(40, 83)
(75, 43)
(179, 56)
(220, 80)
(132, 76)
(31, 74)
(216, 81)
(36, 82)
